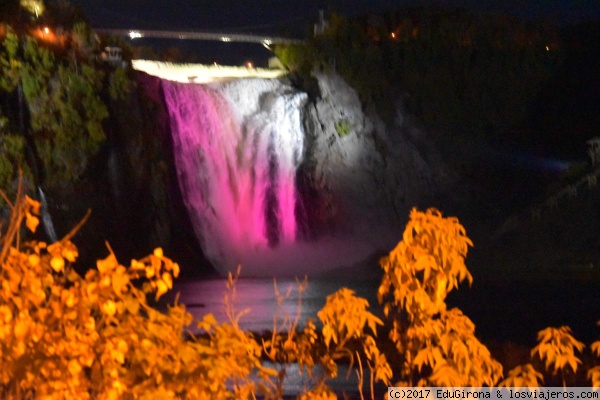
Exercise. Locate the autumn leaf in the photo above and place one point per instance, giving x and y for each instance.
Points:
(108, 264)
(109, 308)
(31, 221)
(132, 305)
(161, 288)
(119, 280)
(74, 367)
(57, 264)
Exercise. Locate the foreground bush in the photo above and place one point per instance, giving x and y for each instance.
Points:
(438, 346)
(63, 335)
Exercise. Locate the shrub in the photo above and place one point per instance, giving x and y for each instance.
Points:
(63, 335)
(438, 346)
(556, 349)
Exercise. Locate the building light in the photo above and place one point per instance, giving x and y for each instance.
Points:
(225, 39)
(547, 48)
(46, 30)
(135, 34)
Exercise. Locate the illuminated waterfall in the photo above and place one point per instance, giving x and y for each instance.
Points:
(237, 146)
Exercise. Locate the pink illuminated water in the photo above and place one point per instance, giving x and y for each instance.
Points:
(236, 161)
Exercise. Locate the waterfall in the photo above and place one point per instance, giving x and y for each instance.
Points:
(237, 146)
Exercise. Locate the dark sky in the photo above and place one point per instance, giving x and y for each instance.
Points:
(295, 14)
(292, 18)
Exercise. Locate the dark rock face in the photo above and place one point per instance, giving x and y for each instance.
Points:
(145, 184)
(357, 171)
(131, 188)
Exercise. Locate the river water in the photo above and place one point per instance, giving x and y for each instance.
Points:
(503, 311)
(257, 298)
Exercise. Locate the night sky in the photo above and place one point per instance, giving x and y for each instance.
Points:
(294, 15)
(292, 18)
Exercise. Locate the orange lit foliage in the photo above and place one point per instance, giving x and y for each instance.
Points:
(345, 320)
(556, 349)
(67, 336)
(522, 376)
(594, 373)
(438, 346)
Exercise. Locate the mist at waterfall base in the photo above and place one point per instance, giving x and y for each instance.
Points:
(238, 146)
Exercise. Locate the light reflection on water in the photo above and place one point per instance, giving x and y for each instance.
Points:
(258, 297)
(503, 311)
(299, 382)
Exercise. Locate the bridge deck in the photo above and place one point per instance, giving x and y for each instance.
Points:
(192, 35)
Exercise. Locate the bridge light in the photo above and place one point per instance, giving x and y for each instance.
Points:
(225, 39)
(135, 34)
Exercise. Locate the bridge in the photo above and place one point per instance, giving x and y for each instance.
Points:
(193, 35)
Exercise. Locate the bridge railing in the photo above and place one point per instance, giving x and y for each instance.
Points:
(192, 35)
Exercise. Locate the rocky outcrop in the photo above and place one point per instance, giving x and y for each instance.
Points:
(364, 175)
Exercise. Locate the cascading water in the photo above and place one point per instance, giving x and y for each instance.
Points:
(237, 146)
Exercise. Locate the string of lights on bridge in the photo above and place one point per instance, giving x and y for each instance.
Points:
(191, 35)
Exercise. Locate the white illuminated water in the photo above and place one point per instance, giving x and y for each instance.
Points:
(238, 145)
(199, 73)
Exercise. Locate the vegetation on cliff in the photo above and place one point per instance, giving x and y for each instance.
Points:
(54, 90)
(466, 74)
